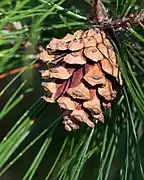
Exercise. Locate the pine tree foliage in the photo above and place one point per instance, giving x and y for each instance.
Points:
(33, 143)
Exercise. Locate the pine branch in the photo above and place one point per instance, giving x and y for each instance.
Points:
(101, 20)
(125, 22)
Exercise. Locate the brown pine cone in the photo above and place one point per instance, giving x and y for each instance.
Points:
(83, 76)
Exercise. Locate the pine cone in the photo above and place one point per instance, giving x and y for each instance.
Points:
(82, 76)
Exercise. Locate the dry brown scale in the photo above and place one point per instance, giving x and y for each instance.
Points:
(82, 76)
